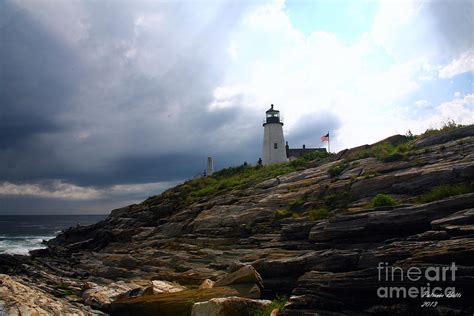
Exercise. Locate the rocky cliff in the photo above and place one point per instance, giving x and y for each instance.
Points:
(318, 230)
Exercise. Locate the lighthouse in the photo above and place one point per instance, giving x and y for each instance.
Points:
(274, 150)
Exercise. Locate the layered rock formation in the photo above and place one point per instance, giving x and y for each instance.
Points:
(323, 253)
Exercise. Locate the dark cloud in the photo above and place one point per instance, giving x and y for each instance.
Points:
(453, 23)
(131, 108)
(99, 93)
(33, 89)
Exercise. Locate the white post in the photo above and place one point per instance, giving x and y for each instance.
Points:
(210, 166)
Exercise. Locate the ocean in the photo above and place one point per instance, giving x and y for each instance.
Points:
(21, 233)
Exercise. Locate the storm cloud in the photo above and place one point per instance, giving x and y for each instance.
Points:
(103, 103)
(126, 100)
(103, 93)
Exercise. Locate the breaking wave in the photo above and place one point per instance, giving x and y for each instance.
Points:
(21, 245)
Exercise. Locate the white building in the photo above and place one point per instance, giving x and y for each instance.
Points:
(274, 150)
(210, 166)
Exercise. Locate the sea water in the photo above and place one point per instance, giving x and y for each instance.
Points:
(21, 233)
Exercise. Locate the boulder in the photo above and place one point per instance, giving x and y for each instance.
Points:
(101, 297)
(228, 306)
(17, 298)
(167, 304)
(207, 284)
(246, 274)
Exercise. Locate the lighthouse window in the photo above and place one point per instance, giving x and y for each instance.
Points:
(275, 145)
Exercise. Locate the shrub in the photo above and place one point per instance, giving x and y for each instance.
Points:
(279, 302)
(382, 200)
(338, 200)
(409, 135)
(448, 125)
(302, 162)
(315, 155)
(231, 171)
(296, 204)
(296, 215)
(318, 213)
(393, 156)
(337, 169)
(369, 175)
(387, 152)
(444, 191)
(282, 213)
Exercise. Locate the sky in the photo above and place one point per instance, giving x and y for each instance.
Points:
(104, 103)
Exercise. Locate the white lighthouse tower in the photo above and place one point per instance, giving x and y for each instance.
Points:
(274, 150)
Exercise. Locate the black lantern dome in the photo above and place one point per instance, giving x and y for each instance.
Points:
(272, 116)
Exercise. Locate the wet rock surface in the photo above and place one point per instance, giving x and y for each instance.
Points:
(327, 265)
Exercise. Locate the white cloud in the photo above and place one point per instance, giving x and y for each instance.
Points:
(422, 103)
(460, 109)
(226, 97)
(59, 190)
(433, 29)
(463, 64)
(317, 73)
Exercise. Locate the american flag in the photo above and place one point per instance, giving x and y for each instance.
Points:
(325, 138)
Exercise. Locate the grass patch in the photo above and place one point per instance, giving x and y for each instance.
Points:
(318, 213)
(337, 169)
(278, 303)
(296, 215)
(385, 151)
(369, 175)
(388, 152)
(228, 179)
(444, 191)
(282, 213)
(296, 205)
(338, 200)
(64, 289)
(382, 200)
(448, 125)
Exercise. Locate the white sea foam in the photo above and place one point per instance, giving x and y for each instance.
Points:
(21, 245)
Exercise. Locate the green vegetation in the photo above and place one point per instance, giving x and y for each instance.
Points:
(282, 213)
(382, 200)
(297, 204)
(447, 126)
(369, 175)
(245, 176)
(318, 213)
(64, 289)
(295, 215)
(337, 169)
(444, 191)
(385, 152)
(242, 177)
(338, 200)
(409, 136)
(389, 152)
(279, 302)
